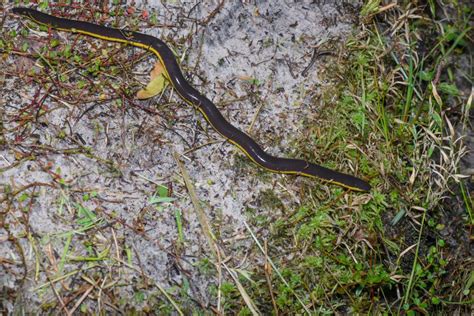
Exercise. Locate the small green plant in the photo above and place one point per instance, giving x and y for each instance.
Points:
(160, 198)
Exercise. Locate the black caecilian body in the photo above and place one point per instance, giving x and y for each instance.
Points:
(193, 97)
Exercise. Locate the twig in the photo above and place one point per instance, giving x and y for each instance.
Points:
(82, 298)
(213, 13)
(316, 54)
(255, 116)
(26, 187)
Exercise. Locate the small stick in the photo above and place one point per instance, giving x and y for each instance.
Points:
(316, 54)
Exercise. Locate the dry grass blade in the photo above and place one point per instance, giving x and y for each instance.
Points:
(82, 298)
(162, 290)
(275, 268)
(243, 292)
(197, 205)
(210, 236)
(62, 277)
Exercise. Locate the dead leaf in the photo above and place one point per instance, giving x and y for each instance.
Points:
(156, 85)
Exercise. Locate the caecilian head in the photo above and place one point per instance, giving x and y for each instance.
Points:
(23, 11)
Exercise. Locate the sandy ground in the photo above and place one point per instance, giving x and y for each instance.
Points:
(269, 43)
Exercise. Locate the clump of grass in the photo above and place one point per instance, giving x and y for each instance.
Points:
(398, 106)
